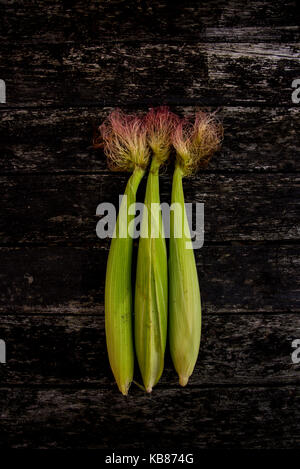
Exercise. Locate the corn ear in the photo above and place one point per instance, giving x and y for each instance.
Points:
(185, 303)
(118, 292)
(151, 292)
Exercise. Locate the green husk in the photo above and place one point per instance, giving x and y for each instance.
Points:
(185, 303)
(151, 292)
(118, 293)
(194, 142)
(124, 138)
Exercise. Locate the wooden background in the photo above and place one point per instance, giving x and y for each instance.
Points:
(66, 64)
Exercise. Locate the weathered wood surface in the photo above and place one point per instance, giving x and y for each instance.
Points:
(66, 64)
(234, 278)
(60, 139)
(26, 21)
(62, 208)
(51, 349)
(180, 419)
(120, 73)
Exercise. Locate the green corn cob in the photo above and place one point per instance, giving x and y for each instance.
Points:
(151, 292)
(118, 293)
(185, 303)
(194, 144)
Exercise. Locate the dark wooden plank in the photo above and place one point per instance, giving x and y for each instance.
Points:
(254, 34)
(61, 208)
(59, 140)
(56, 388)
(185, 420)
(234, 278)
(70, 350)
(81, 21)
(149, 74)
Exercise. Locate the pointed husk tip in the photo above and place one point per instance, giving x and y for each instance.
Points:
(124, 388)
(183, 380)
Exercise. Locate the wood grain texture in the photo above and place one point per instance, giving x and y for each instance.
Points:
(66, 65)
(234, 278)
(50, 349)
(120, 73)
(179, 419)
(60, 139)
(65, 21)
(61, 208)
